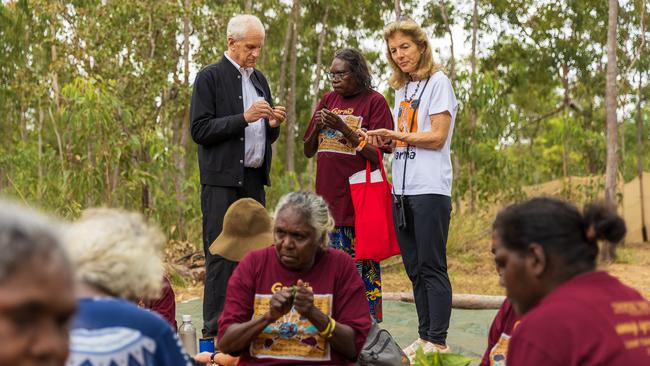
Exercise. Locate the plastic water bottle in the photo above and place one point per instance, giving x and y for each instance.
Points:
(187, 332)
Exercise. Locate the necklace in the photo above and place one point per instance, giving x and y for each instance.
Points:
(406, 90)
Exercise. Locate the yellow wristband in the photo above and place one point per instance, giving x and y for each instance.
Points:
(331, 332)
(327, 329)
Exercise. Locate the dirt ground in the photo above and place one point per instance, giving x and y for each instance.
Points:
(473, 272)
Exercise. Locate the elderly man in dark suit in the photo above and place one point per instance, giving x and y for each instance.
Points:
(234, 124)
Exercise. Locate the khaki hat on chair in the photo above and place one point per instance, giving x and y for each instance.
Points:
(246, 227)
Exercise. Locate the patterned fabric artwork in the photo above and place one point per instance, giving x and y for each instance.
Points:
(343, 238)
(292, 337)
(330, 140)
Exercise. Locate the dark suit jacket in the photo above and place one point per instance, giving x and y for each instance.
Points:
(217, 124)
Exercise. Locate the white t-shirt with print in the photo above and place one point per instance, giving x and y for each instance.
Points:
(428, 171)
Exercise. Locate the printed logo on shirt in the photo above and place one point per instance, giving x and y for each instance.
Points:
(499, 353)
(278, 286)
(635, 329)
(292, 337)
(345, 111)
(331, 140)
(407, 118)
(401, 154)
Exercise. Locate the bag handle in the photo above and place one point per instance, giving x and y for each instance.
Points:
(381, 167)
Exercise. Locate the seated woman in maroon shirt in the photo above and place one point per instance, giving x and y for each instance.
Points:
(502, 326)
(572, 314)
(352, 105)
(296, 302)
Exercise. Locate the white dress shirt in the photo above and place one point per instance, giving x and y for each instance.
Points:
(255, 133)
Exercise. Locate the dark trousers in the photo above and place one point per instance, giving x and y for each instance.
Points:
(424, 252)
(215, 200)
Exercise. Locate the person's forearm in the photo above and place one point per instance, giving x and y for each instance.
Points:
(342, 340)
(209, 131)
(370, 152)
(239, 336)
(426, 140)
(310, 145)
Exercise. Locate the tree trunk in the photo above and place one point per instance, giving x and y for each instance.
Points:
(316, 86)
(612, 133)
(182, 130)
(565, 147)
(639, 155)
(452, 60)
(282, 82)
(452, 75)
(54, 116)
(472, 115)
(289, 146)
(248, 6)
(639, 128)
(39, 184)
(398, 10)
(455, 166)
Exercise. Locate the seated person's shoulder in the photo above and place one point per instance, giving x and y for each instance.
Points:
(123, 313)
(339, 257)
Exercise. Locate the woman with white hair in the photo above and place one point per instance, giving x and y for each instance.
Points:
(117, 260)
(36, 296)
(296, 302)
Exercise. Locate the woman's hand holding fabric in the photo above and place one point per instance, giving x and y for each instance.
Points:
(333, 121)
(304, 300)
(280, 304)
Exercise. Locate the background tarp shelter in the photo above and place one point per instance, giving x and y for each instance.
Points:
(632, 208)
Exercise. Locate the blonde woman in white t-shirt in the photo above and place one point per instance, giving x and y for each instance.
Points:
(424, 112)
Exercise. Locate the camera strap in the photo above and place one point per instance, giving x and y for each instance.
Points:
(408, 146)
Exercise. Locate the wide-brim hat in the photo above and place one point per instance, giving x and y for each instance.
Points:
(247, 226)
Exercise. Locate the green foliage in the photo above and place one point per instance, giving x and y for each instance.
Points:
(94, 98)
(440, 359)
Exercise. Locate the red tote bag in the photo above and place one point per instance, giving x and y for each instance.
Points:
(373, 216)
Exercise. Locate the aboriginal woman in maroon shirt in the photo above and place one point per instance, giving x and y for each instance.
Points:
(571, 314)
(351, 105)
(297, 302)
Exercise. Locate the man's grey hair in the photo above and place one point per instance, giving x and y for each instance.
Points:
(26, 235)
(315, 208)
(240, 24)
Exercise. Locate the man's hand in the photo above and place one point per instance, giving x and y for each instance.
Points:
(280, 304)
(304, 299)
(279, 115)
(259, 109)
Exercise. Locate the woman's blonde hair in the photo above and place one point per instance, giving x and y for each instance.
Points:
(426, 66)
(117, 252)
